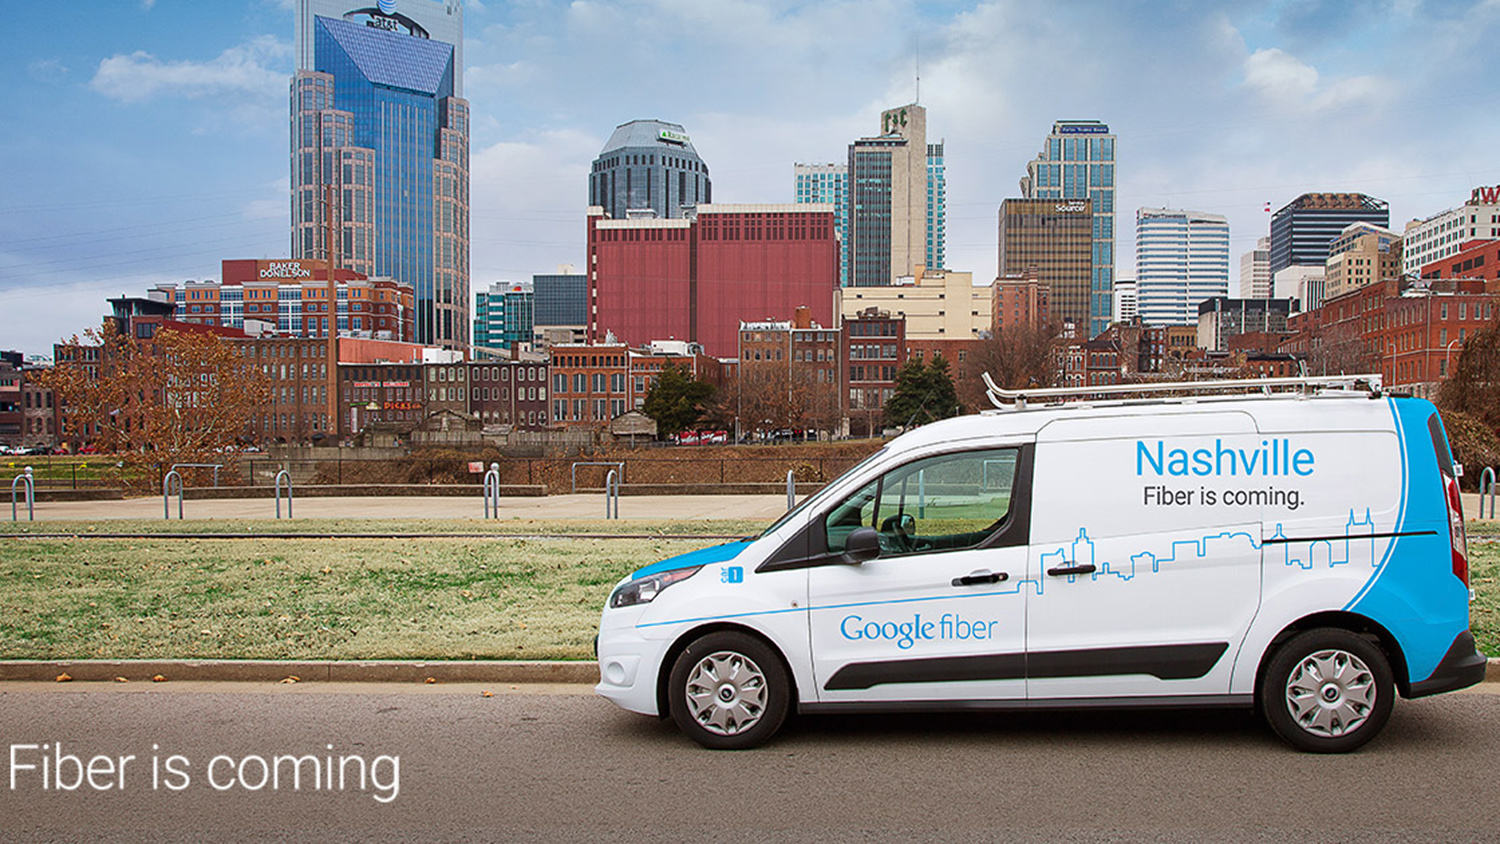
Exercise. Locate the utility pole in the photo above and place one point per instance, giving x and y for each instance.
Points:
(331, 353)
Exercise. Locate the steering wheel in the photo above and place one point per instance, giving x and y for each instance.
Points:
(902, 528)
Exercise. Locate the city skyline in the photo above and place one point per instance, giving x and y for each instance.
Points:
(156, 137)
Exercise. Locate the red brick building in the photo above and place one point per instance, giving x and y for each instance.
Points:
(1409, 332)
(697, 279)
(874, 347)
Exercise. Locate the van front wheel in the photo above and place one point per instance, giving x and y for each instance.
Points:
(728, 691)
(1327, 691)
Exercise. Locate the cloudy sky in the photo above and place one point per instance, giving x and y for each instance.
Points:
(146, 140)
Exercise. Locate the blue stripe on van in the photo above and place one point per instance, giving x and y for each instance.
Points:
(1413, 592)
(701, 557)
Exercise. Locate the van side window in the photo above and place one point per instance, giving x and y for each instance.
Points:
(939, 503)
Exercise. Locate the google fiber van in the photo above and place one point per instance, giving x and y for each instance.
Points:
(1299, 549)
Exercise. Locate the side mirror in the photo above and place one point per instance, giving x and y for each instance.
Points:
(863, 544)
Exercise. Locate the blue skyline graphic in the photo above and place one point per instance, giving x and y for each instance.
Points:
(1358, 537)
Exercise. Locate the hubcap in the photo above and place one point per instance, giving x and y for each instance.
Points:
(1330, 693)
(726, 693)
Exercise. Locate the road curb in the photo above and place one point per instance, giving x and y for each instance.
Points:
(336, 671)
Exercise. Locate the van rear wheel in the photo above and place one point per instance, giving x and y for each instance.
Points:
(728, 691)
(1327, 691)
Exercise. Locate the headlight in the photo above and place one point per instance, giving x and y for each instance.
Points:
(645, 589)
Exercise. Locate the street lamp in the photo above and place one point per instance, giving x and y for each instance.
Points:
(1448, 358)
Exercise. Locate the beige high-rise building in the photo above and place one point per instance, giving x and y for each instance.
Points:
(1362, 254)
(1255, 271)
(888, 184)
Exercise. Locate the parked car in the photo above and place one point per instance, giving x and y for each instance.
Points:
(1300, 552)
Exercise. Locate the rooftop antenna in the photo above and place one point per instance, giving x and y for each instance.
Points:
(918, 41)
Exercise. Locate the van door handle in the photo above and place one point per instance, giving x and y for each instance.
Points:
(980, 577)
(1081, 568)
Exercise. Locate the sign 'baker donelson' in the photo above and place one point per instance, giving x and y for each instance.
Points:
(285, 269)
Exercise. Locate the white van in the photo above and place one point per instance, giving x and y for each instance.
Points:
(1301, 550)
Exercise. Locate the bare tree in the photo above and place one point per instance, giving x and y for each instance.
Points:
(178, 397)
(1016, 356)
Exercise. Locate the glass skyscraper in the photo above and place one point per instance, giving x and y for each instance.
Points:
(1078, 162)
(649, 168)
(503, 315)
(1303, 229)
(828, 184)
(377, 113)
(937, 207)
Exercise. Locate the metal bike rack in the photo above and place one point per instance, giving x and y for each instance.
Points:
(214, 466)
(492, 492)
(1487, 487)
(791, 488)
(166, 495)
(284, 474)
(611, 495)
(28, 485)
(620, 466)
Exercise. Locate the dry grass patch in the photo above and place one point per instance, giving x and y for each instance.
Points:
(311, 598)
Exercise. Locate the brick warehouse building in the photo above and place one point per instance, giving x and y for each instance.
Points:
(697, 279)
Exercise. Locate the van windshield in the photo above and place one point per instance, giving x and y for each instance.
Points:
(821, 494)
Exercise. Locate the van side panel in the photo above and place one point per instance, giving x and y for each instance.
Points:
(1414, 593)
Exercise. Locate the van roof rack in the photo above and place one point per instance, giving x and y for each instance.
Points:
(1369, 384)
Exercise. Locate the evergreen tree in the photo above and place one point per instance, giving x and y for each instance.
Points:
(924, 393)
(677, 400)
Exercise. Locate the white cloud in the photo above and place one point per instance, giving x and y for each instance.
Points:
(528, 198)
(1284, 79)
(257, 68)
(47, 70)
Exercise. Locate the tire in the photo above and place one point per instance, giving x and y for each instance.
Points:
(728, 691)
(1327, 691)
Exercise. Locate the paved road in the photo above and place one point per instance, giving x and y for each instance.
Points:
(558, 763)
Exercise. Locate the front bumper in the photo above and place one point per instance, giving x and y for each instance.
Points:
(629, 665)
(1461, 667)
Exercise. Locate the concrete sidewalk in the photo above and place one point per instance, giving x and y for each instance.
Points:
(581, 506)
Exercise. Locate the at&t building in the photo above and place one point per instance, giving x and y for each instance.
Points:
(377, 112)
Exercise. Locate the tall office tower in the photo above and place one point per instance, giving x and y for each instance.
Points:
(1255, 271)
(649, 169)
(1181, 259)
(1443, 235)
(562, 300)
(1360, 256)
(828, 184)
(1303, 229)
(503, 315)
(937, 207)
(377, 112)
(1055, 240)
(1078, 162)
(889, 209)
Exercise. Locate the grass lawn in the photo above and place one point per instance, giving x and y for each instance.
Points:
(321, 598)
(316, 598)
